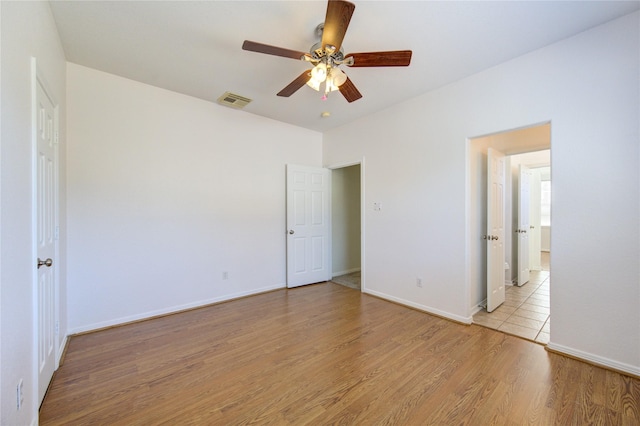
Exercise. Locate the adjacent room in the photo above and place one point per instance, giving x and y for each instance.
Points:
(285, 212)
(511, 259)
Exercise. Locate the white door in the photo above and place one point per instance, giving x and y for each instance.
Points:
(308, 241)
(535, 228)
(524, 198)
(495, 229)
(46, 205)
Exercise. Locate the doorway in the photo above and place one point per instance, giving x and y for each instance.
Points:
(346, 226)
(526, 308)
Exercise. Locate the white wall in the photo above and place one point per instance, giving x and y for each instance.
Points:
(167, 192)
(27, 29)
(345, 220)
(416, 154)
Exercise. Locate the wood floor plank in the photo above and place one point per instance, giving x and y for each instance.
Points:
(325, 354)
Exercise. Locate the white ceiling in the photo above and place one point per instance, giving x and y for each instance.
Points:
(195, 47)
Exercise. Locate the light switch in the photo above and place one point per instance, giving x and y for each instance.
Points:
(377, 207)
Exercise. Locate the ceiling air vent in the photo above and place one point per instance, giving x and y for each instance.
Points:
(232, 100)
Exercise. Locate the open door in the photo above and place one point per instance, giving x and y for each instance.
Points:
(535, 228)
(495, 229)
(308, 215)
(524, 198)
(45, 127)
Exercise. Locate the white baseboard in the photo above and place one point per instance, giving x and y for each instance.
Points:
(170, 310)
(595, 359)
(477, 308)
(61, 348)
(427, 309)
(348, 271)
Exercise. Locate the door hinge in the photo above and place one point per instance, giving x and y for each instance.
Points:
(55, 138)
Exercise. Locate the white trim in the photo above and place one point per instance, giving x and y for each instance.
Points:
(343, 165)
(595, 359)
(427, 309)
(478, 308)
(34, 233)
(467, 229)
(363, 204)
(330, 236)
(60, 351)
(172, 309)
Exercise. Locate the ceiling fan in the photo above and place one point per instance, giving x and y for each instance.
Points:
(327, 55)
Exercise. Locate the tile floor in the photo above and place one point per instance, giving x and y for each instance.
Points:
(525, 312)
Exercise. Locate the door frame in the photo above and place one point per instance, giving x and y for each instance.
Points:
(474, 254)
(38, 79)
(523, 243)
(534, 219)
(341, 165)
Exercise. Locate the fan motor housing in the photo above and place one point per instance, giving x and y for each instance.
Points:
(317, 53)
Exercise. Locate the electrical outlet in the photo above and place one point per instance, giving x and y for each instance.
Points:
(419, 282)
(225, 275)
(19, 394)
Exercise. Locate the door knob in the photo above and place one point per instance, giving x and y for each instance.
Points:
(46, 263)
(291, 231)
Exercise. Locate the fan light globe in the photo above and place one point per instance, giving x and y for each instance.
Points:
(338, 76)
(319, 72)
(315, 85)
(330, 86)
(335, 79)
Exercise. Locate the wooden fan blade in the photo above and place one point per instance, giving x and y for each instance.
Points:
(349, 91)
(336, 22)
(395, 58)
(293, 87)
(271, 50)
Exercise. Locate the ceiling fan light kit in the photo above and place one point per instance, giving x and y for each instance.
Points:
(327, 56)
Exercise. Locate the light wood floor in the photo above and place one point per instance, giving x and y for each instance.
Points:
(326, 354)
